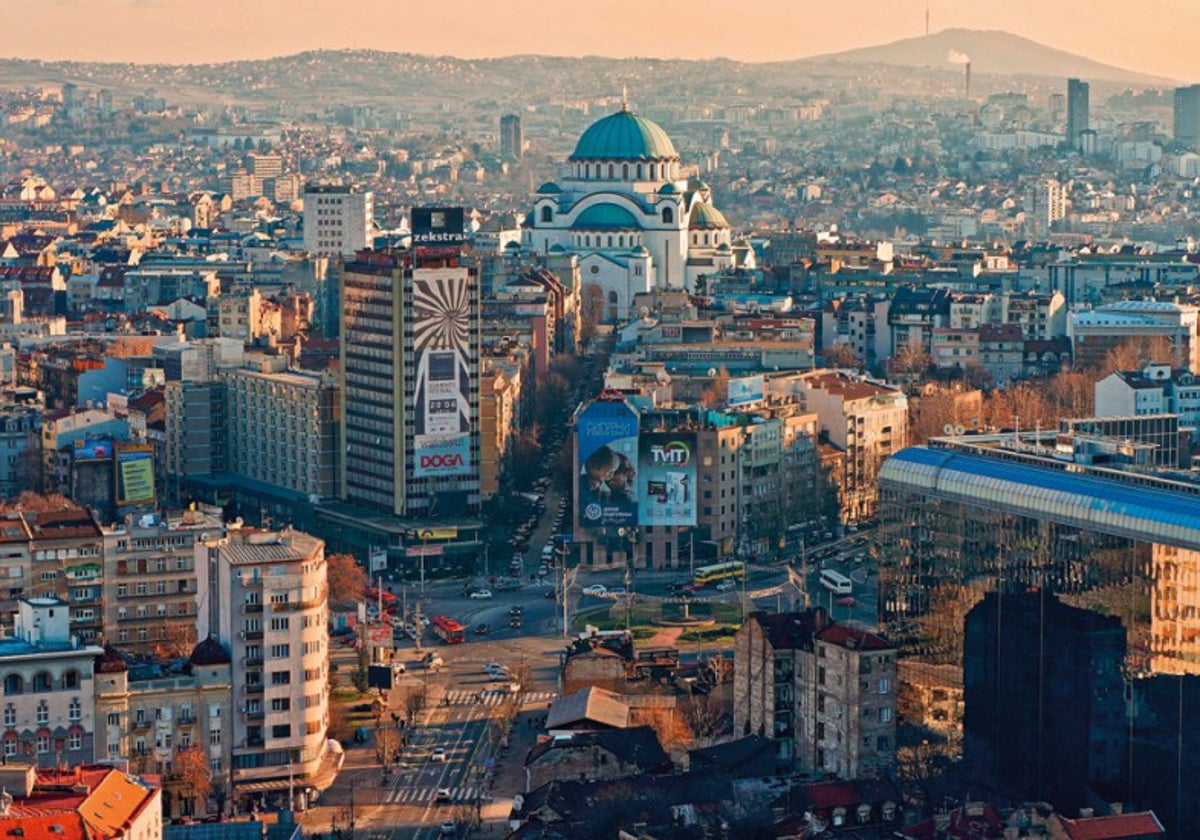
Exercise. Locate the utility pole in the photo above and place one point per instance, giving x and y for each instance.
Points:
(418, 626)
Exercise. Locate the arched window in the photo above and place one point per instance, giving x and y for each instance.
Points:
(14, 684)
(668, 215)
(41, 681)
(612, 306)
(625, 171)
(71, 679)
(612, 171)
(654, 172)
(547, 213)
(610, 240)
(639, 171)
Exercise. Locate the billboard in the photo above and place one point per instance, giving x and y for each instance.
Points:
(747, 390)
(135, 475)
(93, 450)
(443, 335)
(607, 483)
(438, 226)
(379, 560)
(667, 478)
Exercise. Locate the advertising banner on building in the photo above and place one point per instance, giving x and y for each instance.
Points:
(438, 226)
(749, 389)
(607, 489)
(667, 478)
(441, 308)
(379, 559)
(135, 475)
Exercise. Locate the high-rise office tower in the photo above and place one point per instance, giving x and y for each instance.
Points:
(410, 356)
(1078, 105)
(1187, 117)
(511, 140)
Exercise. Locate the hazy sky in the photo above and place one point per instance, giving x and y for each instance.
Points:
(1152, 36)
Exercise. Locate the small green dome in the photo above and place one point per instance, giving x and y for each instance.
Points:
(606, 217)
(549, 187)
(556, 248)
(668, 189)
(624, 136)
(640, 251)
(706, 217)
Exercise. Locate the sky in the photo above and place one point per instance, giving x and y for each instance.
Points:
(1150, 36)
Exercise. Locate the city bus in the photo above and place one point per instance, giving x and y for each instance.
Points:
(836, 582)
(387, 600)
(719, 571)
(448, 630)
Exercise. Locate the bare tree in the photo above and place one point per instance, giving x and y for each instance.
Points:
(912, 360)
(591, 311)
(414, 702)
(387, 743)
(842, 355)
(707, 716)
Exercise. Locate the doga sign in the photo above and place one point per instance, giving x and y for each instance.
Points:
(441, 455)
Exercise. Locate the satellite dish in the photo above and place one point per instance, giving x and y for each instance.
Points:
(960, 429)
(948, 429)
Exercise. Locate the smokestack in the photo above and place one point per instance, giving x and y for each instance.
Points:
(968, 83)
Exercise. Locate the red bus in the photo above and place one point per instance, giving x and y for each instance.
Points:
(389, 601)
(448, 630)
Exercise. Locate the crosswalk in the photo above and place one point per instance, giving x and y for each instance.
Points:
(468, 793)
(494, 697)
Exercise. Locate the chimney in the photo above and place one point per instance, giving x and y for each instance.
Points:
(968, 79)
(1117, 808)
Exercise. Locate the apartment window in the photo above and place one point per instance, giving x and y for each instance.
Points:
(281, 677)
(141, 589)
(885, 714)
(281, 651)
(160, 565)
(214, 764)
(884, 686)
(10, 747)
(43, 713)
(160, 588)
(122, 590)
(281, 704)
(214, 737)
(10, 716)
(279, 623)
(821, 675)
(75, 710)
(43, 744)
(282, 730)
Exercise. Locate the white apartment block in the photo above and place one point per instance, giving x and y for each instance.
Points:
(337, 219)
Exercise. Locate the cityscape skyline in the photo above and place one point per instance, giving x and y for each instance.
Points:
(169, 31)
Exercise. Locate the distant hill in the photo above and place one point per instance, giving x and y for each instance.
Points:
(990, 52)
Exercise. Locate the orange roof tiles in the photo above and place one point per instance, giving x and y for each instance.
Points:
(1141, 824)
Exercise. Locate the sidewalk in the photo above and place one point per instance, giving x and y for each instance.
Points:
(509, 775)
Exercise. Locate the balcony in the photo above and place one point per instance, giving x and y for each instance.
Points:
(254, 688)
(252, 608)
(254, 742)
(253, 661)
(255, 714)
(251, 635)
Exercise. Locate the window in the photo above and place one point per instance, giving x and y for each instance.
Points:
(70, 679)
(43, 713)
(75, 710)
(10, 715)
(281, 651)
(885, 714)
(884, 686)
(279, 623)
(282, 730)
(13, 684)
(214, 737)
(281, 677)
(122, 590)
(281, 704)
(10, 747)
(547, 214)
(43, 744)
(668, 215)
(74, 741)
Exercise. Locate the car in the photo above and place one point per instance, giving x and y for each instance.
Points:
(449, 828)
(483, 629)
(398, 668)
(617, 590)
(489, 667)
(350, 640)
(517, 610)
(438, 754)
(480, 594)
(515, 622)
(726, 585)
(550, 595)
(543, 571)
(433, 662)
(595, 589)
(443, 795)
(848, 601)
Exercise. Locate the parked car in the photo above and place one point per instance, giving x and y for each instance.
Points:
(438, 754)
(491, 667)
(443, 795)
(480, 594)
(595, 589)
(449, 828)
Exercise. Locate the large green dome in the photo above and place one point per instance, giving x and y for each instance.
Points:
(624, 136)
(606, 217)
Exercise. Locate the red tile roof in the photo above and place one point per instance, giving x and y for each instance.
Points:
(1141, 824)
(851, 638)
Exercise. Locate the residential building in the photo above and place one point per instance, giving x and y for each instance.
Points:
(49, 706)
(1044, 698)
(499, 421)
(337, 219)
(596, 756)
(67, 548)
(196, 440)
(152, 585)
(864, 420)
(81, 802)
(282, 428)
(1155, 389)
(410, 400)
(20, 439)
(823, 691)
(152, 710)
(272, 613)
